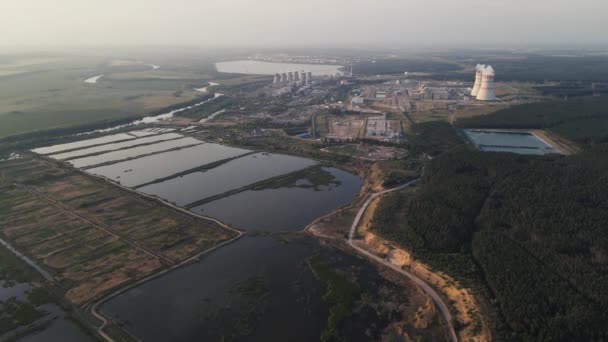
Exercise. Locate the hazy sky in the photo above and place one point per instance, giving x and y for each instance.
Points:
(303, 22)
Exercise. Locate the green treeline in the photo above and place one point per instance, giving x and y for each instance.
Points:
(532, 231)
(584, 119)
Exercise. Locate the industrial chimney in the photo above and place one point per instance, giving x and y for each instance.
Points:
(478, 77)
(486, 90)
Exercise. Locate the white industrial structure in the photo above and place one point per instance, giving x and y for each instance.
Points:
(297, 77)
(483, 89)
(478, 77)
(486, 89)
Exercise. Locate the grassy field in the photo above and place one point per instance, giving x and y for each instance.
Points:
(51, 93)
(92, 236)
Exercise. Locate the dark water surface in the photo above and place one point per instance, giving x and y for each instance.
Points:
(205, 301)
(229, 176)
(285, 208)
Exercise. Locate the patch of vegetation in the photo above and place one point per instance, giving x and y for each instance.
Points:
(255, 291)
(203, 111)
(39, 296)
(11, 269)
(14, 313)
(311, 178)
(322, 123)
(432, 138)
(531, 229)
(341, 293)
(255, 287)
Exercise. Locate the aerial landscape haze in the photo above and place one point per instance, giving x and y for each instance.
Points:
(304, 171)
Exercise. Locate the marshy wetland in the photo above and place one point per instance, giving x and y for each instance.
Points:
(100, 236)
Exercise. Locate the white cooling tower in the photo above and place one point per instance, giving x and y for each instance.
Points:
(302, 77)
(296, 76)
(477, 85)
(290, 76)
(283, 77)
(308, 77)
(277, 78)
(486, 90)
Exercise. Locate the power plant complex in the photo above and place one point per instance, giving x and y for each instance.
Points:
(483, 90)
(301, 77)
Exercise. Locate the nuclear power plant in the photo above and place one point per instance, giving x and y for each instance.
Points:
(483, 89)
(299, 77)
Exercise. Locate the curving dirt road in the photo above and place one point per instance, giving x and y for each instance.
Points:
(441, 305)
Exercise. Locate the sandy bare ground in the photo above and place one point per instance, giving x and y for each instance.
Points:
(461, 299)
(564, 145)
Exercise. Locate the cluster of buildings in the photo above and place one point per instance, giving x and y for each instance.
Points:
(299, 77)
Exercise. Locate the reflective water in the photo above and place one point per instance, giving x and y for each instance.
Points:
(116, 146)
(268, 68)
(83, 143)
(509, 141)
(146, 169)
(133, 152)
(229, 176)
(205, 301)
(284, 208)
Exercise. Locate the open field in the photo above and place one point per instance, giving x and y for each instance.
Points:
(51, 93)
(92, 236)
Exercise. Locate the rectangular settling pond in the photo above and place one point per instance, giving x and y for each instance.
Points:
(133, 152)
(232, 175)
(509, 141)
(115, 146)
(146, 169)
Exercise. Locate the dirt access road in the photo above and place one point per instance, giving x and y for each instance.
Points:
(441, 305)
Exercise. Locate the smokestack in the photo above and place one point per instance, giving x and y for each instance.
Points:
(486, 90)
(478, 77)
(283, 78)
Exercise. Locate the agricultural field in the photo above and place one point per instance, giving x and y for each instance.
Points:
(92, 236)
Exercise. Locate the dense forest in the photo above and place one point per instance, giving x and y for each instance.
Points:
(401, 65)
(432, 138)
(530, 230)
(584, 119)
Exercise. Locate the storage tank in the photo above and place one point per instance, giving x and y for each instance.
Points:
(486, 90)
